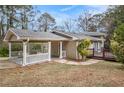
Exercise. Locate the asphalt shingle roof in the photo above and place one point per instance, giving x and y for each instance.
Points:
(53, 35)
(37, 35)
(94, 33)
(81, 36)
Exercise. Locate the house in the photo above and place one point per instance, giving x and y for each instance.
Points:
(42, 46)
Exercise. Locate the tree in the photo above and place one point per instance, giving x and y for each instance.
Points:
(1, 24)
(69, 25)
(26, 14)
(7, 18)
(89, 22)
(59, 27)
(33, 19)
(84, 21)
(117, 43)
(14, 16)
(113, 17)
(10, 13)
(46, 22)
(83, 48)
(95, 23)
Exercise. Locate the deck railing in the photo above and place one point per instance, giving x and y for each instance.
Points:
(105, 54)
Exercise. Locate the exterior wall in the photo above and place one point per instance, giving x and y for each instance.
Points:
(97, 46)
(55, 49)
(11, 37)
(91, 46)
(103, 40)
(64, 46)
(71, 49)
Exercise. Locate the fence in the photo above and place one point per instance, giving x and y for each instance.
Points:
(105, 54)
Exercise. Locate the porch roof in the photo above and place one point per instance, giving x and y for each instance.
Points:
(31, 35)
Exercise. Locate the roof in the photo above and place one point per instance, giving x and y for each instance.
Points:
(47, 36)
(94, 33)
(80, 36)
(25, 34)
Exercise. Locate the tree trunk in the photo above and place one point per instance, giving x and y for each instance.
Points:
(11, 16)
(45, 30)
(1, 31)
(22, 21)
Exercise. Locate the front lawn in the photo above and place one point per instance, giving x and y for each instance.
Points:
(56, 74)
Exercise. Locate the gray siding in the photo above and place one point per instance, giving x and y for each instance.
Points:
(71, 49)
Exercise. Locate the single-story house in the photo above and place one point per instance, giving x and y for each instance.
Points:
(42, 46)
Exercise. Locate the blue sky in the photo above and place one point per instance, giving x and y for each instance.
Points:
(62, 12)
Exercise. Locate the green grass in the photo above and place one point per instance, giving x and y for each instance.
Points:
(104, 74)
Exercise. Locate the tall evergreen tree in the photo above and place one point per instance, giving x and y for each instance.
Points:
(25, 14)
(46, 22)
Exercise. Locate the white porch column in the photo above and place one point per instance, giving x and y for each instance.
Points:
(49, 51)
(99, 48)
(24, 53)
(60, 56)
(10, 49)
(102, 43)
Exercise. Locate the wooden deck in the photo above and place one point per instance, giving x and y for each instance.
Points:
(105, 54)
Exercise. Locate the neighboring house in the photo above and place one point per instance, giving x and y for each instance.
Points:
(42, 46)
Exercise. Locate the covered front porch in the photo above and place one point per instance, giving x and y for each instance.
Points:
(28, 47)
(28, 52)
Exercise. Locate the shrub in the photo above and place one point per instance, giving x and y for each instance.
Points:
(83, 48)
(4, 52)
(117, 43)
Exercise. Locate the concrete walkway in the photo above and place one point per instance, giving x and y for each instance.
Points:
(72, 62)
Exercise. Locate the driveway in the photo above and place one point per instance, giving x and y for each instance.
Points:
(7, 64)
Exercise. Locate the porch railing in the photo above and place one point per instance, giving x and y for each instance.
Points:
(37, 58)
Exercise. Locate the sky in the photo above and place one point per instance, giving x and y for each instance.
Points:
(63, 12)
